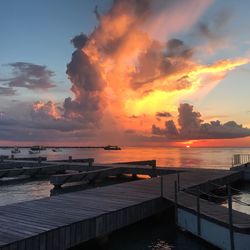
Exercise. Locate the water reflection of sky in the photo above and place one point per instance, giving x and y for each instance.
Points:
(219, 158)
(171, 157)
(241, 200)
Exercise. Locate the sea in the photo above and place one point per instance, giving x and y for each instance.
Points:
(148, 234)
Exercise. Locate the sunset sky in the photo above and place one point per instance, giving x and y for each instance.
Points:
(125, 72)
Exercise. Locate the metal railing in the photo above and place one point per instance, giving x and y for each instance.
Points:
(229, 199)
(240, 159)
(198, 193)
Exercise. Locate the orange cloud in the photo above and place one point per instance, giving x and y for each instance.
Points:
(141, 75)
(131, 67)
(49, 108)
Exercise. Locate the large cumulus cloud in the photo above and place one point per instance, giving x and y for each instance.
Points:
(87, 84)
(129, 56)
(40, 122)
(191, 126)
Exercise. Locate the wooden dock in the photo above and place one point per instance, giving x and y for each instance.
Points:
(77, 170)
(15, 168)
(66, 220)
(106, 170)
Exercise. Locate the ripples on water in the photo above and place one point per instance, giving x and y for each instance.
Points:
(145, 235)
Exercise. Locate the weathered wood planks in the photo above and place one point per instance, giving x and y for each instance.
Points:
(97, 174)
(31, 168)
(63, 221)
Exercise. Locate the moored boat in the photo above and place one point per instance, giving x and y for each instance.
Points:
(109, 147)
(16, 150)
(37, 148)
(34, 151)
(56, 150)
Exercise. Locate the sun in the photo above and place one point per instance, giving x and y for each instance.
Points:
(187, 146)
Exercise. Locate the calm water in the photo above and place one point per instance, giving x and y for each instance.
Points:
(140, 236)
(220, 158)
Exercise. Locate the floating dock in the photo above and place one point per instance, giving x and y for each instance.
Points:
(64, 221)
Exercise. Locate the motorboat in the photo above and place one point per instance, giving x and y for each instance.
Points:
(37, 148)
(109, 147)
(56, 150)
(16, 150)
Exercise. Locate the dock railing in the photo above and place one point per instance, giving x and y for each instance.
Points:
(240, 159)
(199, 193)
(229, 197)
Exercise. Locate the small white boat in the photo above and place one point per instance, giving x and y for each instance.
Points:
(34, 152)
(16, 150)
(56, 150)
(109, 147)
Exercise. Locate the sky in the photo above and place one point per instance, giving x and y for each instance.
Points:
(134, 72)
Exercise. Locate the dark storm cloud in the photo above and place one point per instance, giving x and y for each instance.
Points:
(17, 133)
(6, 91)
(79, 41)
(28, 124)
(191, 126)
(177, 48)
(87, 85)
(170, 130)
(163, 114)
(30, 76)
(188, 120)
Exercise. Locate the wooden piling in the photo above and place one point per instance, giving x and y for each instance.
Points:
(176, 202)
(230, 216)
(198, 214)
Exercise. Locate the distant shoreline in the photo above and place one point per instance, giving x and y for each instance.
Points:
(3, 147)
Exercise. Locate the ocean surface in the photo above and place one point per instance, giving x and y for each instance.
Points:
(146, 235)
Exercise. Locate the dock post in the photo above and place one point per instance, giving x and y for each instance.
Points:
(91, 161)
(1, 158)
(198, 214)
(153, 164)
(176, 202)
(178, 181)
(161, 186)
(70, 158)
(230, 215)
(39, 160)
(12, 157)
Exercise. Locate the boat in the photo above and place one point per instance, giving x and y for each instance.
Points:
(37, 148)
(42, 148)
(56, 150)
(34, 151)
(16, 150)
(109, 147)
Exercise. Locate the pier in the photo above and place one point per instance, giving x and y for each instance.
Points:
(15, 168)
(66, 220)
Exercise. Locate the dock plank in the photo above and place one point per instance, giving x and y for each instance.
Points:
(63, 221)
